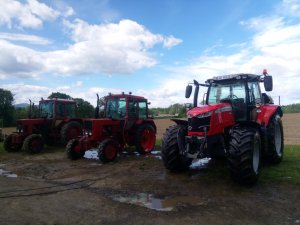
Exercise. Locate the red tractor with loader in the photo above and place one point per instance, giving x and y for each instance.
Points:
(125, 122)
(54, 122)
(237, 122)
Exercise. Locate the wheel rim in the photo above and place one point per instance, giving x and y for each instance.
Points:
(256, 155)
(148, 139)
(278, 139)
(110, 151)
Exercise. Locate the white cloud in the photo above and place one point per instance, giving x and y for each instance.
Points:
(171, 41)
(32, 39)
(28, 15)
(113, 48)
(19, 61)
(289, 8)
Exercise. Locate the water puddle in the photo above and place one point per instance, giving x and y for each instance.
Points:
(156, 154)
(5, 173)
(160, 204)
(199, 164)
(93, 154)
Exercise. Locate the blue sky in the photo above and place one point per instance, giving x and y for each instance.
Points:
(151, 48)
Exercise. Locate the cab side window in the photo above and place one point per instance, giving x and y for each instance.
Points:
(132, 109)
(143, 110)
(254, 93)
(59, 110)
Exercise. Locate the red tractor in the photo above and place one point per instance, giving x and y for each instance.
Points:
(55, 122)
(125, 121)
(237, 122)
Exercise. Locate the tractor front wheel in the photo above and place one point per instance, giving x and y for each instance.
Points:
(9, 146)
(172, 142)
(33, 144)
(73, 150)
(107, 150)
(244, 155)
(70, 130)
(145, 138)
(275, 140)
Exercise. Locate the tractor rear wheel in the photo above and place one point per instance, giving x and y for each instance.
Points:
(73, 150)
(145, 138)
(172, 142)
(275, 140)
(244, 155)
(9, 146)
(107, 150)
(33, 144)
(70, 130)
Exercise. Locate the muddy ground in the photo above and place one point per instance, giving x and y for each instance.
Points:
(48, 188)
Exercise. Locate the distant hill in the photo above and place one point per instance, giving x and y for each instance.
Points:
(21, 105)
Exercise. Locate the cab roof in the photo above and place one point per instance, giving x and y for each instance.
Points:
(123, 95)
(234, 77)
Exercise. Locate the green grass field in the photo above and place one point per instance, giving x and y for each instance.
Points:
(288, 171)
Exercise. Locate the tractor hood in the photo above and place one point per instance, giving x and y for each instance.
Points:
(207, 110)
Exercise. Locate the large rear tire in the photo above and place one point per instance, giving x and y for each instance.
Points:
(172, 142)
(9, 146)
(275, 140)
(145, 138)
(33, 144)
(107, 150)
(244, 155)
(73, 150)
(70, 130)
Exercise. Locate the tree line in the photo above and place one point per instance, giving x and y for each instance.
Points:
(9, 114)
(175, 110)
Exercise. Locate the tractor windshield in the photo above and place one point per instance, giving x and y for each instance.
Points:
(219, 92)
(233, 93)
(116, 108)
(46, 109)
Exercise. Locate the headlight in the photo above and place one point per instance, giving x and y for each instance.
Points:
(87, 133)
(207, 114)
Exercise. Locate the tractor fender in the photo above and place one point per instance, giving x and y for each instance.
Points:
(180, 122)
(266, 112)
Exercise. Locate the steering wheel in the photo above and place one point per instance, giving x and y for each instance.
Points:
(232, 97)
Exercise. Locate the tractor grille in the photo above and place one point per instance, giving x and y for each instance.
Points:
(199, 124)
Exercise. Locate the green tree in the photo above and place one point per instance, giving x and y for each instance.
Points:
(21, 113)
(6, 107)
(85, 109)
(59, 95)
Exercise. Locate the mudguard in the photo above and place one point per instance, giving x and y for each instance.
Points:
(266, 112)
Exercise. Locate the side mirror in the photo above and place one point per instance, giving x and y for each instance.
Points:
(268, 83)
(188, 91)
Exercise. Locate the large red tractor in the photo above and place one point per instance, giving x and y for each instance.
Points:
(237, 122)
(55, 122)
(125, 121)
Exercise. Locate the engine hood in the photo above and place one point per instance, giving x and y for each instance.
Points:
(207, 108)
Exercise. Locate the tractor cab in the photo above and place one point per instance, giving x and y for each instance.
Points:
(57, 108)
(241, 91)
(126, 106)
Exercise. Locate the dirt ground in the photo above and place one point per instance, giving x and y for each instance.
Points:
(48, 188)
